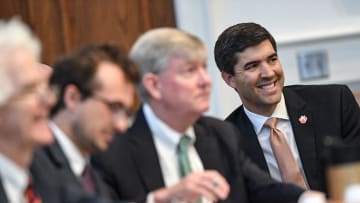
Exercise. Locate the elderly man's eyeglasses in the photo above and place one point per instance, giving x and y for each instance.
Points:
(42, 90)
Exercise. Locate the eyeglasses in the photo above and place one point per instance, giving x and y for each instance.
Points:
(118, 109)
(44, 92)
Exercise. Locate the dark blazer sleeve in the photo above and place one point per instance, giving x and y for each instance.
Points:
(53, 187)
(116, 167)
(130, 166)
(350, 116)
(57, 163)
(334, 109)
(3, 197)
(262, 188)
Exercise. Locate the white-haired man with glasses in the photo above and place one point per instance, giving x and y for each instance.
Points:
(25, 101)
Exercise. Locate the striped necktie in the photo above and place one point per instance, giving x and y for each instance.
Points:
(184, 163)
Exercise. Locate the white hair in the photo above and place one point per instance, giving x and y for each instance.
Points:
(152, 51)
(14, 35)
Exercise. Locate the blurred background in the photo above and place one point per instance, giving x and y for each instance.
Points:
(318, 41)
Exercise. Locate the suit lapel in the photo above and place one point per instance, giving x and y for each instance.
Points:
(101, 188)
(144, 153)
(304, 133)
(249, 139)
(57, 155)
(206, 147)
(3, 197)
(61, 163)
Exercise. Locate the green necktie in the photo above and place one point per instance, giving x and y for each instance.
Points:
(184, 162)
(185, 167)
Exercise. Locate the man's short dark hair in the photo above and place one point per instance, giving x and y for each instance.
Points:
(80, 69)
(236, 39)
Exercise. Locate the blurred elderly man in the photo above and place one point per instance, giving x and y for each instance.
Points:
(25, 101)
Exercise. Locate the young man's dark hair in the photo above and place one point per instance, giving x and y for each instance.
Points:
(236, 39)
(80, 68)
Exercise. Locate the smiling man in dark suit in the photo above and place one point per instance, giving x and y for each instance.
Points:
(151, 162)
(246, 55)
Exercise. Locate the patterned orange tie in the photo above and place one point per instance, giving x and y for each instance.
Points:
(31, 195)
(288, 167)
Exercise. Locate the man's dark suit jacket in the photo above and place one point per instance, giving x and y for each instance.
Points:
(131, 165)
(331, 110)
(49, 192)
(58, 163)
(51, 187)
(55, 186)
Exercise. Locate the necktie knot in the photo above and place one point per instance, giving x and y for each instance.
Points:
(184, 143)
(271, 123)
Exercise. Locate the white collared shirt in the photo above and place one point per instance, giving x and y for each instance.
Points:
(166, 140)
(263, 134)
(76, 160)
(14, 180)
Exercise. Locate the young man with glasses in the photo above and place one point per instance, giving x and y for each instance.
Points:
(96, 97)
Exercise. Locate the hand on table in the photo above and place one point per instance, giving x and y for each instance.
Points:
(209, 184)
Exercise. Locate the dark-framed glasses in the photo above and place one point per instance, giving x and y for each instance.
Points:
(118, 110)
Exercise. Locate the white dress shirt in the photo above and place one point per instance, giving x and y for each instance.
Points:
(14, 180)
(76, 160)
(166, 140)
(263, 135)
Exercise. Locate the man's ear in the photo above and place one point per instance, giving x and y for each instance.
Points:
(72, 96)
(229, 79)
(151, 84)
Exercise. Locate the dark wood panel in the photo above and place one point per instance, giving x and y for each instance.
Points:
(111, 20)
(162, 13)
(64, 25)
(45, 18)
(10, 8)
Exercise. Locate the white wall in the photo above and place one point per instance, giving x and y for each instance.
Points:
(331, 25)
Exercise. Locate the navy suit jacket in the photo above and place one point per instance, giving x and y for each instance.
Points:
(45, 184)
(3, 197)
(331, 111)
(57, 186)
(52, 186)
(131, 165)
(58, 163)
